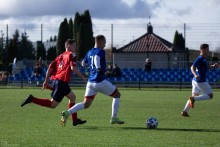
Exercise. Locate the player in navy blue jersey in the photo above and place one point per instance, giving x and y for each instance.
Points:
(95, 59)
(199, 69)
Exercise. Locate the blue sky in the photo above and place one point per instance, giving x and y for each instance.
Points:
(31, 13)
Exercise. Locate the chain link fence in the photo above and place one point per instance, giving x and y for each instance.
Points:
(119, 35)
(176, 77)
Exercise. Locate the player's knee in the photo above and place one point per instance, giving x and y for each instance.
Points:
(54, 104)
(117, 94)
(72, 100)
(211, 96)
(87, 103)
(87, 106)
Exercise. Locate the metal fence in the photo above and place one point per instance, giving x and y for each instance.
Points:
(119, 35)
(135, 76)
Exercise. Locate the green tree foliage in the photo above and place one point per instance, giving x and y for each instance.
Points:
(179, 41)
(62, 36)
(215, 59)
(41, 51)
(77, 20)
(20, 47)
(26, 49)
(79, 41)
(80, 30)
(51, 53)
(83, 34)
(70, 32)
(53, 38)
(13, 47)
(3, 51)
(2, 41)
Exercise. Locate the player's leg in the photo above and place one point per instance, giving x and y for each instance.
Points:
(197, 87)
(39, 101)
(115, 106)
(195, 92)
(109, 89)
(207, 92)
(72, 97)
(89, 96)
(46, 102)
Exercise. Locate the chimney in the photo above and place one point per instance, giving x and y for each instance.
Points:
(149, 28)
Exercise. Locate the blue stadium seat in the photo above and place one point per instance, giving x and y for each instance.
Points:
(134, 79)
(11, 78)
(40, 78)
(34, 78)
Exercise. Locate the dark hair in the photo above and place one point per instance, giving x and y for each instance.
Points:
(204, 46)
(69, 41)
(99, 37)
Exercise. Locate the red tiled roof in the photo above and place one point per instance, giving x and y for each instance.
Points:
(149, 42)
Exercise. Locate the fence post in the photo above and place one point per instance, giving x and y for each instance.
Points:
(139, 81)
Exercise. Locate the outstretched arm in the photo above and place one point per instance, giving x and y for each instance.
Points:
(215, 65)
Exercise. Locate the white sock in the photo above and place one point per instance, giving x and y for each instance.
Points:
(76, 108)
(187, 106)
(202, 97)
(115, 105)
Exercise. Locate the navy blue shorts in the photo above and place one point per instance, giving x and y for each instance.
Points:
(61, 89)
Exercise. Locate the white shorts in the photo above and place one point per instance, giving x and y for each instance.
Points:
(198, 87)
(104, 87)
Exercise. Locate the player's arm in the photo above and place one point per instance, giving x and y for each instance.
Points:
(75, 70)
(215, 65)
(97, 64)
(193, 70)
(47, 77)
(83, 63)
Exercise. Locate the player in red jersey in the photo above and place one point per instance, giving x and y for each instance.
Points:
(60, 71)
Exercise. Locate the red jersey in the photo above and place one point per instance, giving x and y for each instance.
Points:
(62, 66)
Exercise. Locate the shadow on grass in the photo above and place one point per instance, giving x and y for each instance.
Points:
(173, 129)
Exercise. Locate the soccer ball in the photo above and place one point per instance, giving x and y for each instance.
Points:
(151, 123)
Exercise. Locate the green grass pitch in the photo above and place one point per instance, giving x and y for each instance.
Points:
(34, 125)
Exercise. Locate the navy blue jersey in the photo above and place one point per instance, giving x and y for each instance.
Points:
(201, 65)
(95, 76)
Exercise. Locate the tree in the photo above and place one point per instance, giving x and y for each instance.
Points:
(51, 53)
(13, 46)
(62, 36)
(3, 51)
(80, 30)
(83, 34)
(51, 39)
(89, 39)
(70, 32)
(2, 41)
(179, 41)
(76, 25)
(20, 47)
(215, 59)
(41, 51)
(79, 42)
(26, 48)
